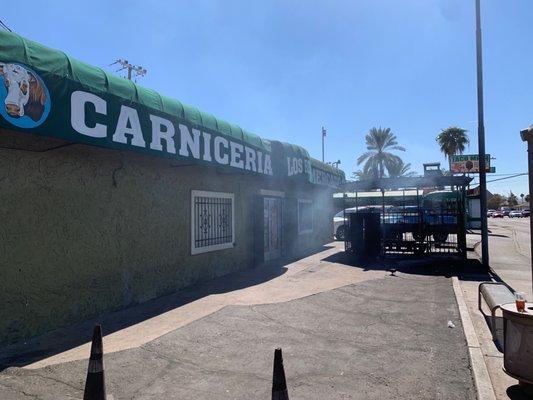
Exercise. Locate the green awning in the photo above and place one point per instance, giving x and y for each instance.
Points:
(52, 94)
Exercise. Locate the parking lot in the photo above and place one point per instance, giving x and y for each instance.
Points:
(348, 331)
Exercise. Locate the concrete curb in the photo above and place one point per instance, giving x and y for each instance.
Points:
(484, 388)
(476, 248)
(495, 276)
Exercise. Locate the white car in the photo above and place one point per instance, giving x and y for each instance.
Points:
(515, 214)
(340, 222)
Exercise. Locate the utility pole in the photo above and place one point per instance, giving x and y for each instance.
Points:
(323, 136)
(481, 143)
(132, 69)
(527, 136)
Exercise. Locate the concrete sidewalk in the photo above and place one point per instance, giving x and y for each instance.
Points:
(510, 260)
(509, 252)
(348, 332)
(138, 325)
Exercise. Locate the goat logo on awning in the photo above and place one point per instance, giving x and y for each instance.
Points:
(25, 98)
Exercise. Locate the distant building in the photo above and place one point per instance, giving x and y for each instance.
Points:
(432, 169)
(523, 206)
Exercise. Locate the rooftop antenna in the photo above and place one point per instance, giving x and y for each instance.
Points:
(133, 70)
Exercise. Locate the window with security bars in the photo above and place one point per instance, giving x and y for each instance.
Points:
(212, 225)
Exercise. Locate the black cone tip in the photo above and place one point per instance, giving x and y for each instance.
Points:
(96, 345)
(95, 383)
(278, 380)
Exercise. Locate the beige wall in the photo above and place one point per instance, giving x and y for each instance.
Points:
(86, 230)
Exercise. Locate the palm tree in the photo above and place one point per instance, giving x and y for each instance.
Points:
(453, 140)
(379, 143)
(398, 169)
(363, 174)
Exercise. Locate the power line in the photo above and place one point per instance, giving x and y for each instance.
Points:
(510, 173)
(507, 177)
(5, 26)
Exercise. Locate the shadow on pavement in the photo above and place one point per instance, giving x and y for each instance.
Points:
(498, 342)
(490, 234)
(65, 338)
(448, 266)
(515, 393)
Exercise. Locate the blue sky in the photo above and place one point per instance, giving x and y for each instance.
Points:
(282, 69)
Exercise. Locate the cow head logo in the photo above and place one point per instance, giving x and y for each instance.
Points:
(26, 101)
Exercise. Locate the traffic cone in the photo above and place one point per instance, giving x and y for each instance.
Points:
(279, 384)
(95, 384)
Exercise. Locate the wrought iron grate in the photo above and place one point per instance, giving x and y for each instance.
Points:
(213, 221)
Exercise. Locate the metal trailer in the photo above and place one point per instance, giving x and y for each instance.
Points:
(432, 222)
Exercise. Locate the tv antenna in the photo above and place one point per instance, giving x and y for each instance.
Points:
(133, 70)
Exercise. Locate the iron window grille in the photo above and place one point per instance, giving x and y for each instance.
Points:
(212, 221)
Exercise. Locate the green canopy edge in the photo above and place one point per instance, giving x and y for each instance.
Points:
(56, 64)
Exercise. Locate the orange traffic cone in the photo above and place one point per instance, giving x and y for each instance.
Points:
(279, 384)
(95, 384)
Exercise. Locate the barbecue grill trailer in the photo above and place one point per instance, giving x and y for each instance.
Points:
(114, 195)
(412, 215)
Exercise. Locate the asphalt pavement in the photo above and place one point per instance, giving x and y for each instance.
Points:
(384, 335)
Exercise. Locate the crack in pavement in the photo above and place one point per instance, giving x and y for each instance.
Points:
(197, 366)
(34, 374)
(21, 391)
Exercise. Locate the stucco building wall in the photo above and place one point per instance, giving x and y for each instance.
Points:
(87, 230)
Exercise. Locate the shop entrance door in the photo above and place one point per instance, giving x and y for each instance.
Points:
(272, 228)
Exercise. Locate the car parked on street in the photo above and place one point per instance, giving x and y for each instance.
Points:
(515, 214)
(490, 212)
(525, 212)
(497, 214)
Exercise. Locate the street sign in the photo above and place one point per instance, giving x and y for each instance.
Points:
(468, 163)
